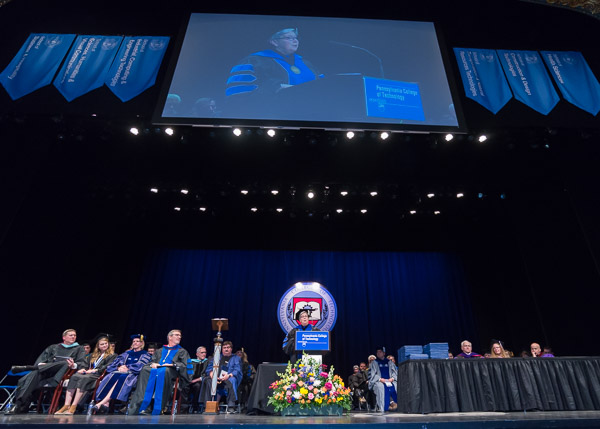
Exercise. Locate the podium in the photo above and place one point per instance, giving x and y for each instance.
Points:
(313, 343)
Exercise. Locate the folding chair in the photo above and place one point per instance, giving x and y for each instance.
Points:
(58, 392)
(10, 389)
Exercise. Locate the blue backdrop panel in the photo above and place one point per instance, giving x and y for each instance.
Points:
(35, 64)
(86, 65)
(482, 77)
(136, 65)
(382, 298)
(575, 79)
(529, 80)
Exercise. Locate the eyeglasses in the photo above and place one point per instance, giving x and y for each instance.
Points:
(289, 39)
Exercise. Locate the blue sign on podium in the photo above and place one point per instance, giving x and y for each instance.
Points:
(312, 341)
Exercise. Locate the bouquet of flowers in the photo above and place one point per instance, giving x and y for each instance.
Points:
(309, 385)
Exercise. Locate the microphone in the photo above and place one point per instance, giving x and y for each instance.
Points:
(335, 42)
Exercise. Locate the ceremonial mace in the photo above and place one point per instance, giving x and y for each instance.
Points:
(212, 407)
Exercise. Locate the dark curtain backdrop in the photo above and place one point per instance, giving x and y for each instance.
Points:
(392, 299)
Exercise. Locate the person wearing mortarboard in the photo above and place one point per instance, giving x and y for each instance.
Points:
(289, 348)
(383, 376)
(122, 374)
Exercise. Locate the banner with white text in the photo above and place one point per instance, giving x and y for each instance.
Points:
(575, 79)
(35, 64)
(86, 65)
(136, 66)
(529, 80)
(482, 77)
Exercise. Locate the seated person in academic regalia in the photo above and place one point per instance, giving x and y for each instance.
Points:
(536, 351)
(467, 351)
(156, 380)
(289, 345)
(383, 376)
(48, 369)
(230, 375)
(199, 374)
(357, 383)
(122, 374)
(84, 380)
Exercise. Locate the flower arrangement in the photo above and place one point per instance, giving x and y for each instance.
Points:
(307, 384)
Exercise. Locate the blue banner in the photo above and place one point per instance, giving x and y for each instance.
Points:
(575, 79)
(529, 80)
(86, 65)
(136, 66)
(35, 64)
(482, 78)
(312, 340)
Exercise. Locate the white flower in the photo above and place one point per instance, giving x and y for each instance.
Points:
(296, 395)
(317, 383)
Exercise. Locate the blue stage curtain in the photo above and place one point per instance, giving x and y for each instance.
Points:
(389, 299)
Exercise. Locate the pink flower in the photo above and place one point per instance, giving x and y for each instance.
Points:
(293, 386)
(324, 366)
(311, 396)
(328, 385)
(324, 374)
(288, 393)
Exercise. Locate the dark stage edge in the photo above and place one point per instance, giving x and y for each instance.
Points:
(537, 419)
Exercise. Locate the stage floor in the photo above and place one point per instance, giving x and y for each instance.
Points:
(537, 419)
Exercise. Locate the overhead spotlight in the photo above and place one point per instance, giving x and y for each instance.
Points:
(271, 133)
(384, 135)
(437, 212)
(177, 209)
(169, 131)
(363, 211)
(339, 210)
(154, 190)
(184, 191)
(134, 131)
(279, 210)
(274, 191)
(373, 194)
(482, 138)
(350, 135)
(460, 195)
(202, 209)
(310, 194)
(448, 137)
(237, 132)
(413, 212)
(244, 191)
(344, 193)
(254, 209)
(430, 195)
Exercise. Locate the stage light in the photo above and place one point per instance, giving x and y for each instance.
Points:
(480, 195)
(279, 210)
(363, 211)
(271, 133)
(237, 132)
(274, 191)
(310, 194)
(448, 137)
(413, 212)
(244, 191)
(177, 209)
(134, 131)
(350, 135)
(184, 191)
(502, 196)
(460, 195)
(430, 195)
(374, 193)
(254, 209)
(339, 210)
(482, 138)
(437, 212)
(169, 131)
(344, 193)
(384, 135)
(202, 209)
(154, 190)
